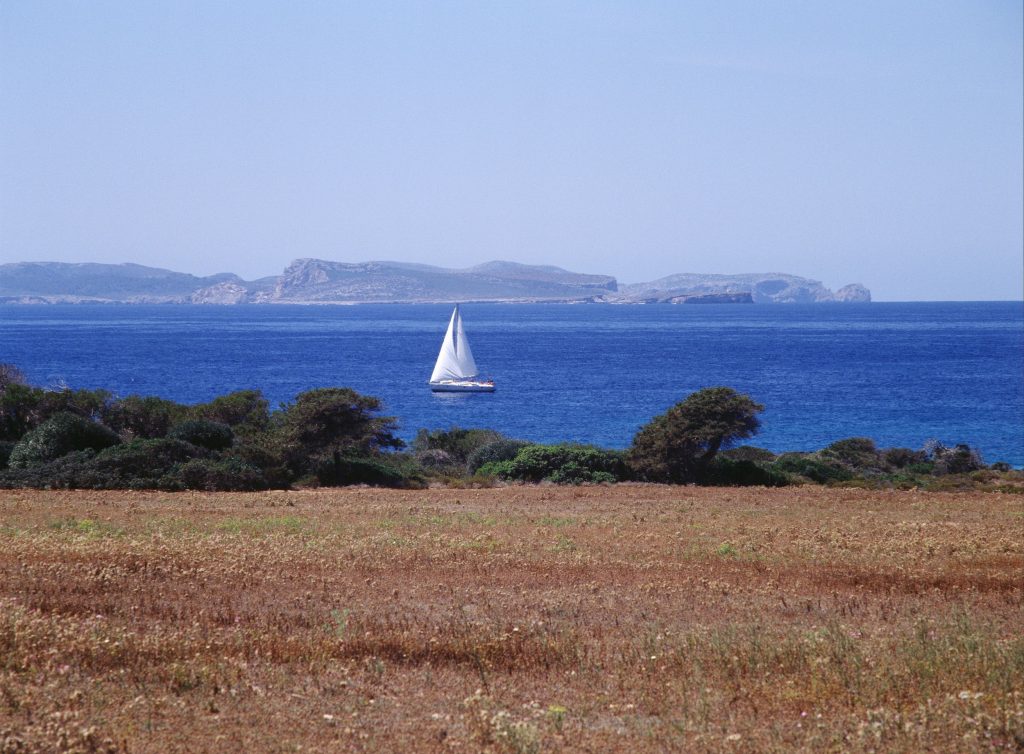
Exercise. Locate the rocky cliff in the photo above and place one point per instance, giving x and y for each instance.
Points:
(763, 288)
(307, 281)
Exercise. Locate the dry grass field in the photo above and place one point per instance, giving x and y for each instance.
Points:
(603, 619)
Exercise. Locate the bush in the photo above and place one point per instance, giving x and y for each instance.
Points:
(960, 459)
(142, 416)
(345, 470)
(901, 458)
(6, 446)
(245, 411)
(437, 460)
(499, 469)
(139, 464)
(726, 472)
(226, 474)
(563, 464)
(857, 453)
(458, 443)
(811, 467)
(499, 450)
(58, 436)
(62, 473)
(748, 453)
(204, 434)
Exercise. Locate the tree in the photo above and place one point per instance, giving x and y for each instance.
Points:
(328, 424)
(679, 445)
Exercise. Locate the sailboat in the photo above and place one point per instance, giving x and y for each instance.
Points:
(455, 370)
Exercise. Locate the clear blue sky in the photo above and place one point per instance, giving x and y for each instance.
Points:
(878, 142)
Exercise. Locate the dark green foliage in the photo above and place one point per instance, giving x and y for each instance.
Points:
(144, 417)
(727, 472)
(748, 453)
(346, 470)
(262, 452)
(18, 410)
(499, 450)
(6, 446)
(23, 408)
(206, 434)
(563, 464)
(61, 473)
(227, 474)
(901, 458)
(499, 469)
(960, 459)
(857, 453)
(458, 443)
(811, 467)
(323, 425)
(437, 459)
(245, 411)
(677, 445)
(140, 464)
(57, 436)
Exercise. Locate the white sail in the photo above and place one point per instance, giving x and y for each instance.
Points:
(455, 361)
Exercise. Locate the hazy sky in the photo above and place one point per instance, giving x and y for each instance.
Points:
(878, 142)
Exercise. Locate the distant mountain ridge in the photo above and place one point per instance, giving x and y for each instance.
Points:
(318, 281)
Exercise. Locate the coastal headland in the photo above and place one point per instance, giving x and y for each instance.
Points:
(318, 281)
(625, 618)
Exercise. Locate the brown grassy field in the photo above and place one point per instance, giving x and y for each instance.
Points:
(523, 619)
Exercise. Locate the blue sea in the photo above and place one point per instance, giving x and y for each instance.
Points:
(900, 373)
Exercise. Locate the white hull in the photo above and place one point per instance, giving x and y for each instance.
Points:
(462, 386)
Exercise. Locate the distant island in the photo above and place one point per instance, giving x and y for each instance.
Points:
(317, 281)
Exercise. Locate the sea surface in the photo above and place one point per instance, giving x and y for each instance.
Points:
(900, 373)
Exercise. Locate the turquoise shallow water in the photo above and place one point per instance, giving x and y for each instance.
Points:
(899, 373)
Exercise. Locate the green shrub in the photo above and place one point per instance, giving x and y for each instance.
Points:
(6, 446)
(204, 434)
(245, 411)
(437, 460)
(811, 467)
(960, 459)
(726, 472)
(565, 464)
(142, 416)
(902, 458)
(458, 443)
(856, 453)
(339, 471)
(226, 474)
(748, 453)
(58, 436)
(499, 450)
(139, 464)
(573, 473)
(61, 473)
(499, 469)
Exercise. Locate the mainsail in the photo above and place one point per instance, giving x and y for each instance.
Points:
(455, 362)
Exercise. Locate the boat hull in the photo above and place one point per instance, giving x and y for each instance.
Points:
(468, 386)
